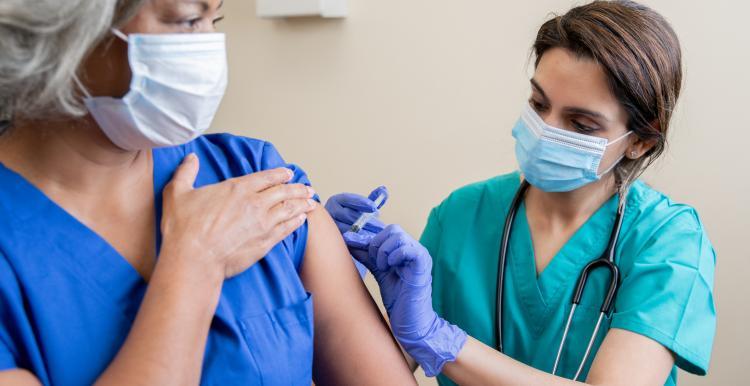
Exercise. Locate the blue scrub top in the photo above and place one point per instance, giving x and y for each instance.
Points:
(68, 299)
(665, 258)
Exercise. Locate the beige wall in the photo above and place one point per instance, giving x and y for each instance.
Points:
(420, 95)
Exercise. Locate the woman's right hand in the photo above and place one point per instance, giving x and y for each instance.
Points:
(231, 225)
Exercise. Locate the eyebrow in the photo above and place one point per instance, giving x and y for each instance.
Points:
(204, 4)
(538, 88)
(570, 110)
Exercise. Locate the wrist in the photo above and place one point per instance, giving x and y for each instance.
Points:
(191, 265)
(439, 345)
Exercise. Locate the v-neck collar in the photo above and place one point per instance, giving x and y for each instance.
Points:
(542, 295)
(80, 248)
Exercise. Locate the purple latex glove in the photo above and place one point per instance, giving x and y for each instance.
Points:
(345, 208)
(402, 268)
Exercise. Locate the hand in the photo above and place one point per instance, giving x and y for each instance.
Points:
(231, 225)
(345, 209)
(402, 268)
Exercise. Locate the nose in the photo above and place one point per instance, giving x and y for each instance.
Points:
(553, 118)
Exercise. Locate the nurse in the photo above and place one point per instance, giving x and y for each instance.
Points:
(607, 78)
(136, 251)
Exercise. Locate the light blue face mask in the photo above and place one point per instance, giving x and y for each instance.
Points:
(557, 160)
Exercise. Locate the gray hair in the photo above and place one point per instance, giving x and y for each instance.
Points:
(42, 45)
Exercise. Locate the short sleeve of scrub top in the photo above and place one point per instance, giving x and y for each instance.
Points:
(68, 299)
(667, 288)
(665, 258)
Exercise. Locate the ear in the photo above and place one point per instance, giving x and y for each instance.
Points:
(639, 147)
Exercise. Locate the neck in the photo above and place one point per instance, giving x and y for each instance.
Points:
(572, 207)
(70, 154)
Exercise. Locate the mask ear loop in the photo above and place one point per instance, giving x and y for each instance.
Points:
(119, 34)
(80, 85)
(609, 169)
(78, 82)
(619, 139)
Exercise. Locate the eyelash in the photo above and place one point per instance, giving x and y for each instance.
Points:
(539, 107)
(580, 127)
(193, 23)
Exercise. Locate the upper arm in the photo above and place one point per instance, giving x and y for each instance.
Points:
(18, 377)
(627, 358)
(352, 342)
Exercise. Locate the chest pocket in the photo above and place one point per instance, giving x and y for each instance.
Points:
(281, 342)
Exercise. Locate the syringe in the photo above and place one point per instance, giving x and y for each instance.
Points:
(365, 217)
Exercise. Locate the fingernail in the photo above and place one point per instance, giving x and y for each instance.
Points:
(311, 203)
(290, 173)
(310, 191)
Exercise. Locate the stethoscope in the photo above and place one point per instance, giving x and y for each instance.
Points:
(607, 260)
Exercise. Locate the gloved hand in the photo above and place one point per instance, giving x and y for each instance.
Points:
(345, 208)
(402, 268)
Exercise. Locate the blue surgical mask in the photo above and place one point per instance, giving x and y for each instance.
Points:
(557, 160)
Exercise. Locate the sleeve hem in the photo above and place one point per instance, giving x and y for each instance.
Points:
(685, 358)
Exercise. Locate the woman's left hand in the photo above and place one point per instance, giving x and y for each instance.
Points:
(402, 268)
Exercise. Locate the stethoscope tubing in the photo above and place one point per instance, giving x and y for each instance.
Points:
(606, 260)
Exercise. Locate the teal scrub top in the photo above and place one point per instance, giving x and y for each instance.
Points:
(665, 259)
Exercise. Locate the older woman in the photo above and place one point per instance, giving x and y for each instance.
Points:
(124, 262)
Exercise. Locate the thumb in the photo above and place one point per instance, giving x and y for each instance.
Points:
(184, 177)
(380, 190)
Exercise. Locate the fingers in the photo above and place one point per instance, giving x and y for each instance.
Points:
(395, 248)
(375, 225)
(184, 177)
(358, 244)
(416, 262)
(260, 181)
(284, 229)
(289, 209)
(359, 240)
(380, 238)
(281, 193)
(349, 216)
(395, 239)
(377, 192)
(355, 202)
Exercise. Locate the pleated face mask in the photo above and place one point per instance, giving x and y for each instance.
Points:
(178, 81)
(557, 160)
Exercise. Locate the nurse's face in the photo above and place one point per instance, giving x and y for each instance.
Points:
(107, 71)
(572, 93)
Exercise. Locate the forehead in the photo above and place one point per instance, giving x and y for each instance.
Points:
(571, 81)
(177, 4)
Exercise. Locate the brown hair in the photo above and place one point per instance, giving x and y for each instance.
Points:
(640, 54)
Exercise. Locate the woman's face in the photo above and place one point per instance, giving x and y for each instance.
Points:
(572, 93)
(107, 72)
(175, 16)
